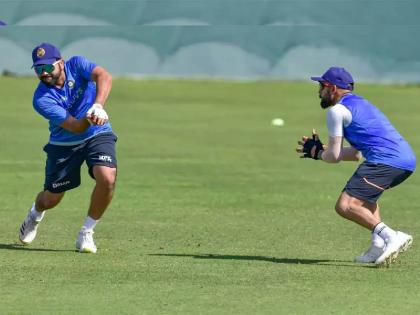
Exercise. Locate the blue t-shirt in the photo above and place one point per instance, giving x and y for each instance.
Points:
(371, 133)
(74, 98)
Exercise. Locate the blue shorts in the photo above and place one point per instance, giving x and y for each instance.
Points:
(371, 179)
(62, 170)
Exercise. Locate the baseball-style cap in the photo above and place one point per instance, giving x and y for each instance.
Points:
(337, 76)
(45, 54)
(2, 23)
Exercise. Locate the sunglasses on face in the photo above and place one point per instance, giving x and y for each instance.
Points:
(49, 68)
(324, 84)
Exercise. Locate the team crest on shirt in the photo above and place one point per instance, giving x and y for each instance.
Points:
(70, 84)
(40, 52)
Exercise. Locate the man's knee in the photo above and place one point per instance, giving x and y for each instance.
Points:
(344, 204)
(105, 177)
(341, 207)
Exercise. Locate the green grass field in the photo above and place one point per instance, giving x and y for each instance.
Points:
(214, 213)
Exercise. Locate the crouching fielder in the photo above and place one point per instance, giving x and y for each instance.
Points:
(71, 95)
(389, 160)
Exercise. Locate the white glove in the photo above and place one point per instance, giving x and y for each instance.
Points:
(96, 111)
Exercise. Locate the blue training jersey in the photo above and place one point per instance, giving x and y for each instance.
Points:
(371, 133)
(74, 98)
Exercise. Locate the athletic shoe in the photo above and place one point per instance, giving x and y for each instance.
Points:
(407, 245)
(85, 243)
(28, 229)
(370, 256)
(395, 245)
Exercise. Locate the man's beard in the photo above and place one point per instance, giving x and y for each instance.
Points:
(50, 79)
(326, 101)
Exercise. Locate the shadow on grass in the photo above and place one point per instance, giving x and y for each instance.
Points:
(293, 261)
(26, 248)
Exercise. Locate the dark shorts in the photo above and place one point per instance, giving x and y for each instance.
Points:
(371, 179)
(62, 170)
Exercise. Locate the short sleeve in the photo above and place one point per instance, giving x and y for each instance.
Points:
(83, 66)
(338, 117)
(50, 110)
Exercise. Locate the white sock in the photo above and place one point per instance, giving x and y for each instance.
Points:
(377, 241)
(89, 223)
(36, 215)
(384, 231)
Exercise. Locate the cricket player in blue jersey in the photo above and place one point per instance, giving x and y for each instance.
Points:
(389, 160)
(71, 95)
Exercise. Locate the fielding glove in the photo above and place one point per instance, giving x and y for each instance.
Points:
(311, 147)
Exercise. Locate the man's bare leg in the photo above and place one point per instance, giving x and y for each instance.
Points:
(101, 197)
(45, 200)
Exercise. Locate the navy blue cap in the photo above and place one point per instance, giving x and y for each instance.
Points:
(337, 76)
(2, 23)
(45, 54)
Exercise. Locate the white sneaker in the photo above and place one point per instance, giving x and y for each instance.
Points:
(407, 244)
(28, 229)
(85, 243)
(370, 256)
(395, 245)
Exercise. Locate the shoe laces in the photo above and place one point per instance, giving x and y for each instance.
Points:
(87, 236)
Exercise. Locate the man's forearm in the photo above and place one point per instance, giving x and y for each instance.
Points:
(103, 86)
(341, 154)
(75, 125)
(328, 156)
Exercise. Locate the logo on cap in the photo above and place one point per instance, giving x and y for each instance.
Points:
(40, 52)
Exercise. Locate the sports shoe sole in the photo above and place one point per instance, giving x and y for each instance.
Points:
(86, 250)
(406, 245)
(393, 256)
(24, 243)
